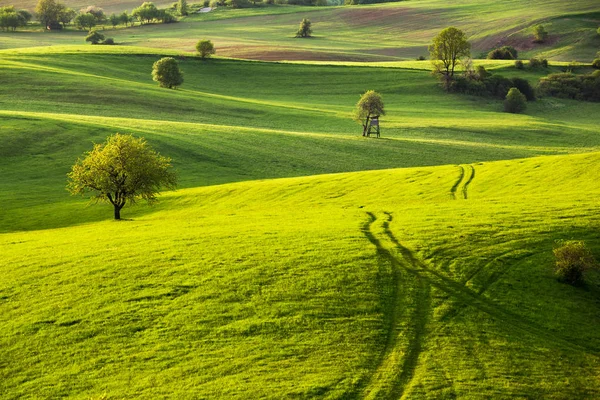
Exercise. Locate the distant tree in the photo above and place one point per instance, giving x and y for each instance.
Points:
(539, 34)
(11, 19)
(370, 105)
(49, 13)
(124, 18)
(121, 171)
(97, 12)
(519, 64)
(167, 73)
(515, 102)
(182, 7)
(85, 21)
(66, 16)
(205, 48)
(446, 52)
(94, 37)
(146, 12)
(25, 16)
(596, 63)
(165, 17)
(114, 20)
(305, 29)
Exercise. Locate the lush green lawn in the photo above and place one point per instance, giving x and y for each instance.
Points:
(388, 32)
(377, 283)
(431, 281)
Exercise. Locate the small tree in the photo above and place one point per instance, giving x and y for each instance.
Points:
(114, 20)
(146, 12)
(48, 13)
(539, 34)
(94, 37)
(305, 29)
(85, 21)
(167, 73)
(370, 105)
(573, 259)
(182, 7)
(121, 171)
(205, 48)
(515, 102)
(124, 18)
(446, 52)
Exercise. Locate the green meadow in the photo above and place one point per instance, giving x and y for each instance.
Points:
(298, 259)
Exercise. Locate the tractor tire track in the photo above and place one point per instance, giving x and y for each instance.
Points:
(464, 295)
(454, 188)
(466, 185)
(393, 371)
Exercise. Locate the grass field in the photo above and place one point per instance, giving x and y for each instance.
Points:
(393, 31)
(297, 259)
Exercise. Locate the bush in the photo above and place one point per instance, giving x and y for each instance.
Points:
(205, 48)
(538, 63)
(519, 64)
(515, 101)
(524, 87)
(94, 37)
(481, 72)
(503, 53)
(421, 58)
(539, 34)
(596, 63)
(109, 41)
(573, 259)
(571, 86)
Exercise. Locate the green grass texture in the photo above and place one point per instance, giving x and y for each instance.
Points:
(297, 259)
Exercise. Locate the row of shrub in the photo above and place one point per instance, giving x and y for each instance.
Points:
(572, 86)
(482, 83)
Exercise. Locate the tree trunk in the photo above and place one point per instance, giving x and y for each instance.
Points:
(117, 212)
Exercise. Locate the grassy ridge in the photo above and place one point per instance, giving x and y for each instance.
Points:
(190, 298)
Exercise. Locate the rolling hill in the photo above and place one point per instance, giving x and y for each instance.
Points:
(298, 259)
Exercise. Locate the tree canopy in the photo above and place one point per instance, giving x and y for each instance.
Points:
(121, 171)
(146, 12)
(304, 30)
(447, 50)
(167, 73)
(370, 105)
(205, 48)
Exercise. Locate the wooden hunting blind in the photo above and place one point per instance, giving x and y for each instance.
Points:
(373, 127)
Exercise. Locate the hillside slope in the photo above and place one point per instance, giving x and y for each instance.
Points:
(423, 282)
(384, 32)
(235, 121)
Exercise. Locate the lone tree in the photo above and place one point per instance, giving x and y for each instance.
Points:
(121, 171)
(370, 105)
(515, 102)
(167, 73)
(94, 37)
(205, 48)
(539, 34)
(85, 21)
(446, 52)
(304, 31)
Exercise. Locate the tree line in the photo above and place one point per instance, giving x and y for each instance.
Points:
(53, 15)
